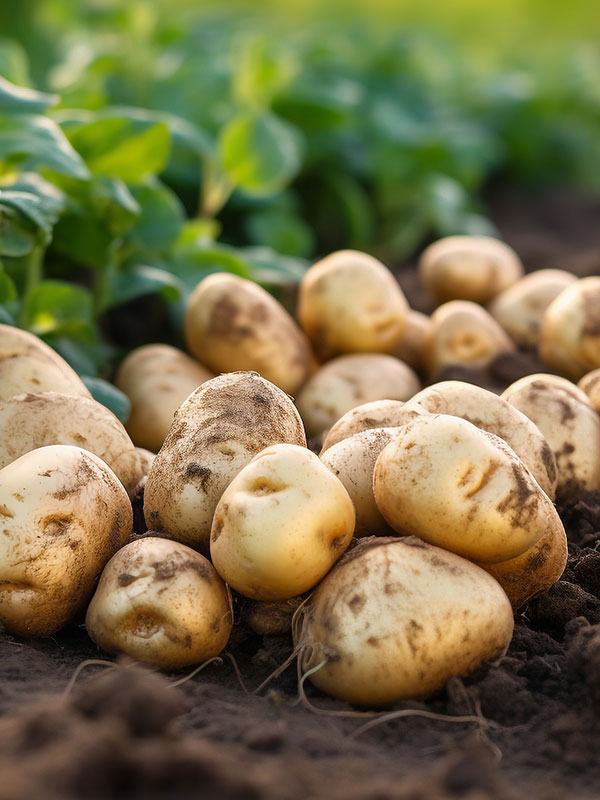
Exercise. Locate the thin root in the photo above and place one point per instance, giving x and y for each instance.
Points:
(238, 673)
(281, 668)
(214, 660)
(415, 712)
(91, 662)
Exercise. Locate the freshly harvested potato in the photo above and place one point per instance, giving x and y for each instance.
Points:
(234, 324)
(27, 364)
(270, 617)
(349, 302)
(352, 460)
(410, 348)
(376, 414)
(463, 332)
(520, 307)
(590, 384)
(473, 268)
(162, 603)
(29, 421)
(461, 488)
(63, 513)
(350, 381)
(396, 618)
(568, 421)
(491, 413)
(216, 431)
(157, 378)
(570, 332)
(281, 524)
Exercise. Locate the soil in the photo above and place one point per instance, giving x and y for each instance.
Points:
(121, 731)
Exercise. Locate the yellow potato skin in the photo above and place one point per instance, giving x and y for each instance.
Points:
(376, 414)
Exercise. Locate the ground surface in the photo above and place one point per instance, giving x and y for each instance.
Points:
(129, 733)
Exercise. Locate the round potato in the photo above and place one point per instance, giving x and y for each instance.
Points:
(281, 524)
(396, 618)
(63, 513)
(349, 302)
(377, 414)
(216, 431)
(410, 348)
(590, 385)
(234, 324)
(162, 603)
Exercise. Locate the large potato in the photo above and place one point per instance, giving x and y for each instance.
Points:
(160, 602)
(157, 378)
(349, 302)
(376, 414)
(63, 513)
(234, 324)
(590, 385)
(216, 431)
(396, 618)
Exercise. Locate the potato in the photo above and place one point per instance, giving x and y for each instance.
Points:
(396, 618)
(234, 324)
(216, 432)
(349, 302)
(410, 348)
(281, 524)
(473, 268)
(568, 421)
(376, 414)
(160, 602)
(590, 384)
(157, 378)
(520, 308)
(349, 381)
(27, 364)
(570, 332)
(29, 421)
(63, 513)
(462, 488)
(462, 332)
(270, 617)
(491, 413)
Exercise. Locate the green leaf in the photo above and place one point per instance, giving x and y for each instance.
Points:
(13, 62)
(22, 100)
(281, 230)
(132, 282)
(161, 217)
(17, 236)
(260, 152)
(35, 199)
(60, 308)
(114, 399)
(191, 264)
(6, 318)
(273, 269)
(8, 292)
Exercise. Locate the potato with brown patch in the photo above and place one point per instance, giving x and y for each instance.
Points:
(350, 381)
(162, 603)
(475, 268)
(376, 414)
(590, 384)
(216, 431)
(234, 324)
(63, 513)
(157, 378)
(281, 524)
(349, 302)
(396, 618)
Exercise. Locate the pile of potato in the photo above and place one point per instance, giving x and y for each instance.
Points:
(401, 549)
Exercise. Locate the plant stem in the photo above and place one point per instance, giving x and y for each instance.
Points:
(32, 263)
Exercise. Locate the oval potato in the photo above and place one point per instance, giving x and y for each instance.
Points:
(376, 414)
(590, 385)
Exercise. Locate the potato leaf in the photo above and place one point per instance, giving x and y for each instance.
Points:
(35, 199)
(132, 282)
(60, 308)
(114, 399)
(21, 99)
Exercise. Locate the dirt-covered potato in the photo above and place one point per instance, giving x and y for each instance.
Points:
(216, 431)
(269, 617)
(410, 348)
(396, 618)
(590, 384)
(464, 333)
(29, 421)
(281, 524)
(376, 414)
(63, 513)
(568, 421)
(350, 381)
(157, 378)
(349, 302)
(27, 364)
(473, 268)
(461, 488)
(234, 324)
(491, 413)
(570, 332)
(162, 603)
(520, 308)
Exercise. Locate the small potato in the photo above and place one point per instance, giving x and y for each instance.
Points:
(377, 414)
(349, 302)
(463, 332)
(520, 308)
(270, 617)
(63, 513)
(462, 488)
(396, 618)
(234, 324)
(473, 268)
(568, 421)
(350, 381)
(570, 332)
(491, 413)
(411, 347)
(157, 378)
(162, 603)
(281, 524)
(590, 384)
(216, 432)
(27, 364)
